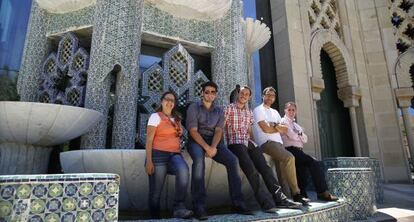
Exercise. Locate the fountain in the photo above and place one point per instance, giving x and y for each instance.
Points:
(29, 130)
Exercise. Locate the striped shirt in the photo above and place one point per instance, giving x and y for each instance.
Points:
(236, 123)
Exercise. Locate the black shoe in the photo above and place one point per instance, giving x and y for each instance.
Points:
(286, 203)
(183, 213)
(241, 209)
(326, 196)
(200, 214)
(301, 199)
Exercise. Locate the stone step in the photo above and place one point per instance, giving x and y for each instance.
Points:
(317, 211)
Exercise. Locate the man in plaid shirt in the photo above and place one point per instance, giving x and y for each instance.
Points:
(238, 120)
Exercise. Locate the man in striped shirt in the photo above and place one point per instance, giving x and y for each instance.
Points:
(238, 120)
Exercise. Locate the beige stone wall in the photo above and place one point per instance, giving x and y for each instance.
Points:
(291, 64)
(369, 55)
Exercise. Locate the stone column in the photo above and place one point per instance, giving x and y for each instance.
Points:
(351, 95)
(116, 42)
(404, 96)
(35, 50)
(317, 86)
(229, 65)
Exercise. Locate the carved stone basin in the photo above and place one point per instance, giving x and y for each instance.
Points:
(28, 130)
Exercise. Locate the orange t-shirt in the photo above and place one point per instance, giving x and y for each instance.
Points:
(166, 137)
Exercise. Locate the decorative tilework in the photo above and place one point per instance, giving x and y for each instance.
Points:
(356, 185)
(59, 197)
(360, 162)
(116, 40)
(35, 50)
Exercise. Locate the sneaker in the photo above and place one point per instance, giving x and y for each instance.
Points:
(326, 196)
(301, 199)
(183, 213)
(241, 209)
(286, 203)
(201, 214)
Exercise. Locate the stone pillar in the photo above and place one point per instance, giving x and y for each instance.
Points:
(116, 41)
(351, 95)
(229, 65)
(35, 50)
(317, 86)
(404, 96)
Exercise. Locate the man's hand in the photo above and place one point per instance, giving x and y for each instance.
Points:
(211, 151)
(282, 128)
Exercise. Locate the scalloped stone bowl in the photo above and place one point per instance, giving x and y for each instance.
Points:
(28, 130)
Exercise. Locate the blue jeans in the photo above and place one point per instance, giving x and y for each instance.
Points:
(171, 163)
(223, 156)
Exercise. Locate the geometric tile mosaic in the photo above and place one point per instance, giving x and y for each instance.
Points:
(59, 197)
(356, 185)
(360, 162)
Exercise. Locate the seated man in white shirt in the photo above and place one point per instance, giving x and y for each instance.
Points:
(266, 129)
(293, 139)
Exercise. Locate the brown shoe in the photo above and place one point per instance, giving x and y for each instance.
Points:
(326, 196)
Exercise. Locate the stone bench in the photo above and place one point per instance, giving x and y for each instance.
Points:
(59, 197)
(356, 185)
(360, 162)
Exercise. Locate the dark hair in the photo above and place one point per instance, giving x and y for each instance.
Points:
(209, 83)
(290, 104)
(267, 89)
(174, 112)
(246, 87)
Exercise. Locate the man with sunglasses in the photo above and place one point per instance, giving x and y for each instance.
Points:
(205, 122)
(238, 120)
(267, 127)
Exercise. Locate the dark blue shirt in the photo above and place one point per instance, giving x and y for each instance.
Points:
(206, 121)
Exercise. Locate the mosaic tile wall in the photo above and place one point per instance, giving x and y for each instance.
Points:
(35, 50)
(116, 40)
(356, 185)
(69, 197)
(229, 61)
(360, 162)
(122, 46)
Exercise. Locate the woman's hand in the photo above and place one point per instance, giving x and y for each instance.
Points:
(149, 167)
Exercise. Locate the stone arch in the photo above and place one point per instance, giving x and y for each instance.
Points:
(402, 69)
(346, 79)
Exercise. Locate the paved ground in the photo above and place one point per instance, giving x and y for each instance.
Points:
(398, 204)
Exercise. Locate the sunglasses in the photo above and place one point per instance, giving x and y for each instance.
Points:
(207, 92)
(291, 109)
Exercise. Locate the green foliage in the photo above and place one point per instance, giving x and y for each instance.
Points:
(8, 86)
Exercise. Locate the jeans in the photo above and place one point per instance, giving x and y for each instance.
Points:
(252, 162)
(223, 156)
(171, 163)
(305, 162)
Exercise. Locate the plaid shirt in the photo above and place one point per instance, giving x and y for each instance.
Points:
(236, 123)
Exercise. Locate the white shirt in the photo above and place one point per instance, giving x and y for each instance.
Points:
(269, 115)
(155, 119)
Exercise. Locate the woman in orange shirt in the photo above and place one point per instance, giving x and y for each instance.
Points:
(163, 156)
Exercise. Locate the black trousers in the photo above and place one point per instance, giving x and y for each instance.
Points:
(305, 163)
(252, 162)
